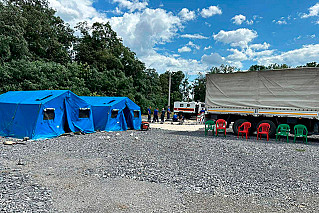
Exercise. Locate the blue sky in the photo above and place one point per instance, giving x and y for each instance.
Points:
(193, 36)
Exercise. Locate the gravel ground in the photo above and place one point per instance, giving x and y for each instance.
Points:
(159, 171)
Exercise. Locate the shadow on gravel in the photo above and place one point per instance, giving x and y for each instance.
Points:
(232, 136)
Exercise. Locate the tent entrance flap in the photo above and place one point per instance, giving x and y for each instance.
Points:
(66, 126)
(128, 117)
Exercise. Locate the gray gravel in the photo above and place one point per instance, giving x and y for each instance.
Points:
(159, 171)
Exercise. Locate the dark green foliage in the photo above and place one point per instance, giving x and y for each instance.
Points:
(200, 88)
(269, 67)
(312, 64)
(37, 48)
(29, 30)
(176, 88)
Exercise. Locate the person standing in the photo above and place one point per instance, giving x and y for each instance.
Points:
(163, 115)
(168, 113)
(155, 118)
(149, 113)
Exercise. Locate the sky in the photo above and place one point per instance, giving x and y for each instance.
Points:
(192, 36)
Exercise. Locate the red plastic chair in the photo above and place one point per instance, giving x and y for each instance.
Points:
(244, 129)
(221, 126)
(263, 129)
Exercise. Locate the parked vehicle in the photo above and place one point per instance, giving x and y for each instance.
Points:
(188, 109)
(287, 96)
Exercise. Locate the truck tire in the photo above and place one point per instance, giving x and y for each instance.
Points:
(236, 124)
(273, 127)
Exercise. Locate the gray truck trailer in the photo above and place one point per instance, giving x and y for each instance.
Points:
(289, 96)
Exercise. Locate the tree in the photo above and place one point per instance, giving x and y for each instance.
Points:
(199, 88)
(223, 69)
(269, 67)
(256, 67)
(30, 30)
(311, 64)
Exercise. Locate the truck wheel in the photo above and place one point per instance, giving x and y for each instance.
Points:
(236, 124)
(272, 130)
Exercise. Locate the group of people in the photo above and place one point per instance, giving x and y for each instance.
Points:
(156, 113)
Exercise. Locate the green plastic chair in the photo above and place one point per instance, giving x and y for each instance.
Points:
(283, 130)
(301, 131)
(209, 125)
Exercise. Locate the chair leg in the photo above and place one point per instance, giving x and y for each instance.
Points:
(267, 137)
(287, 139)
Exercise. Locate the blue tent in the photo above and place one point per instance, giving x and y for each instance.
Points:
(43, 114)
(114, 113)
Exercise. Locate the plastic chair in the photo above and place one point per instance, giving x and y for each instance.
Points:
(209, 125)
(299, 132)
(283, 130)
(263, 129)
(244, 129)
(221, 126)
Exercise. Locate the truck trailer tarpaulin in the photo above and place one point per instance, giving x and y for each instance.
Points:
(287, 89)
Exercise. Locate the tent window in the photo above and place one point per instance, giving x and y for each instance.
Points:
(181, 105)
(188, 105)
(110, 101)
(84, 113)
(115, 112)
(49, 114)
(136, 113)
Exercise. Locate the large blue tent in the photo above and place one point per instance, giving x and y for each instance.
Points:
(114, 113)
(43, 114)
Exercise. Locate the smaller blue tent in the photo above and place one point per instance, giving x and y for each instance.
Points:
(114, 113)
(43, 114)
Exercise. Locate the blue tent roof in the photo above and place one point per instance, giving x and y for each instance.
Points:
(103, 101)
(30, 97)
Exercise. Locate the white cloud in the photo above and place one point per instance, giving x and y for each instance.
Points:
(207, 48)
(295, 57)
(313, 11)
(252, 54)
(131, 5)
(184, 49)
(214, 59)
(212, 10)
(237, 55)
(280, 22)
(263, 46)
(240, 37)
(163, 63)
(250, 22)
(191, 44)
(186, 14)
(239, 19)
(75, 11)
(141, 31)
(194, 36)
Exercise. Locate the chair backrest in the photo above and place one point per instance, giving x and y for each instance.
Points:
(264, 127)
(210, 122)
(221, 123)
(246, 125)
(283, 128)
(299, 129)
